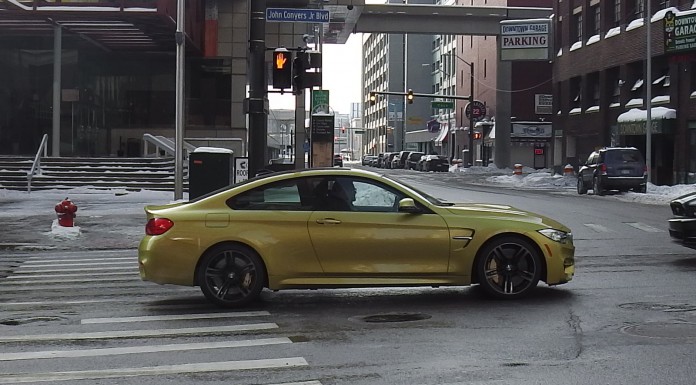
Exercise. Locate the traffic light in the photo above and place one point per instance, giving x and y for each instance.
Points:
(373, 98)
(477, 135)
(298, 72)
(282, 68)
(343, 130)
(409, 96)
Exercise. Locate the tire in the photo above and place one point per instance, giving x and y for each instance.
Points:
(508, 268)
(581, 186)
(231, 275)
(597, 187)
(641, 189)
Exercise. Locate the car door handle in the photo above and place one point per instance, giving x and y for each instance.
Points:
(328, 221)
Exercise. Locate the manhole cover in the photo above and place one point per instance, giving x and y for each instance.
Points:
(675, 330)
(396, 317)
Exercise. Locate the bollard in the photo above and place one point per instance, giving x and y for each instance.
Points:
(568, 170)
(517, 170)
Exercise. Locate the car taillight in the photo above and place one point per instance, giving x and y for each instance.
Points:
(645, 170)
(158, 226)
(603, 168)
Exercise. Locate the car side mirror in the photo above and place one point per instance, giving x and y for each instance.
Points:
(408, 205)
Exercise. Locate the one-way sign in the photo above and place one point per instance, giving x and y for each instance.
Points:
(299, 15)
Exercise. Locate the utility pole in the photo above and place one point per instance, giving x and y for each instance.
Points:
(257, 102)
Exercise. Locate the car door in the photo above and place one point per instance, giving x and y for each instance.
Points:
(371, 238)
(587, 170)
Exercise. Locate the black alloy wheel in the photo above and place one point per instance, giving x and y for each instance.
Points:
(231, 275)
(581, 186)
(597, 186)
(509, 268)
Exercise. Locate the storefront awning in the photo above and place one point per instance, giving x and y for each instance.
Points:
(633, 122)
(442, 137)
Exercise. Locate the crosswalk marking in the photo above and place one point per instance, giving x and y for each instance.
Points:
(597, 228)
(173, 317)
(84, 285)
(22, 276)
(644, 227)
(36, 260)
(223, 366)
(28, 271)
(141, 349)
(131, 277)
(136, 333)
(101, 263)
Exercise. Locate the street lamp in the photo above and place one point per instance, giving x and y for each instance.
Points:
(471, 101)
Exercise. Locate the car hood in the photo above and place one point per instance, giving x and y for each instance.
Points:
(503, 212)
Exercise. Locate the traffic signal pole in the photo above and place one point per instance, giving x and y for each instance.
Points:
(258, 101)
(471, 117)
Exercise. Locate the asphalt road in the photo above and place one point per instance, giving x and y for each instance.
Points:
(76, 316)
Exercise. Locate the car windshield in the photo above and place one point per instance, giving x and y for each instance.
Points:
(426, 196)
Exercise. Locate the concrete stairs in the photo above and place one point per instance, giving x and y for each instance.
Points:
(97, 173)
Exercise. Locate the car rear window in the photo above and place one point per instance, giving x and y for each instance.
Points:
(631, 156)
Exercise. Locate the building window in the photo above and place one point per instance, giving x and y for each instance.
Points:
(664, 4)
(578, 26)
(617, 12)
(640, 9)
(596, 26)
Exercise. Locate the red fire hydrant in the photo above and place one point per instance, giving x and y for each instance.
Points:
(66, 213)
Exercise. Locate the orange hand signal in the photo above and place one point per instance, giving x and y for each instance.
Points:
(280, 60)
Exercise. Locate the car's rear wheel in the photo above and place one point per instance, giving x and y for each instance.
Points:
(597, 186)
(581, 186)
(231, 275)
(641, 189)
(509, 267)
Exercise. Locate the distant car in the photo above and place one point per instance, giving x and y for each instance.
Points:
(436, 163)
(613, 168)
(342, 228)
(337, 160)
(388, 158)
(403, 158)
(682, 228)
(412, 160)
(396, 161)
(367, 159)
(419, 164)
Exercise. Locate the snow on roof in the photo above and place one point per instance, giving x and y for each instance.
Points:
(636, 115)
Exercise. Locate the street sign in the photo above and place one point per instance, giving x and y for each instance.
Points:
(475, 110)
(297, 15)
(241, 169)
(442, 104)
(320, 102)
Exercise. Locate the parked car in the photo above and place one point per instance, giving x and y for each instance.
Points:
(380, 159)
(419, 164)
(403, 158)
(388, 159)
(396, 160)
(682, 227)
(436, 163)
(360, 228)
(367, 159)
(412, 160)
(337, 160)
(613, 168)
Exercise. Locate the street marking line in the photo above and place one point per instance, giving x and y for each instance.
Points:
(224, 366)
(101, 263)
(22, 276)
(644, 227)
(85, 285)
(174, 317)
(92, 279)
(32, 271)
(141, 349)
(136, 333)
(312, 382)
(598, 228)
(35, 260)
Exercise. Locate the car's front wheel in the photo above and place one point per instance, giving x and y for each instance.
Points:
(509, 267)
(231, 275)
(581, 186)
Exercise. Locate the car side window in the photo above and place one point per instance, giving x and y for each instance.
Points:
(283, 195)
(370, 197)
(354, 194)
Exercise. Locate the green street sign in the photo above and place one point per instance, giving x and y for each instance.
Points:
(320, 101)
(442, 104)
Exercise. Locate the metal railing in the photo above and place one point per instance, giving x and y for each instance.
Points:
(36, 166)
(163, 146)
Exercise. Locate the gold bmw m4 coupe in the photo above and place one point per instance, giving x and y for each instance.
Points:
(340, 228)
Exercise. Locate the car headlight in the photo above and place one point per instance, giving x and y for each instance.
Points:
(557, 235)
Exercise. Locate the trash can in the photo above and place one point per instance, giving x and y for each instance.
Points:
(210, 168)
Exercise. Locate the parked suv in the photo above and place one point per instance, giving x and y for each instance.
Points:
(613, 168)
